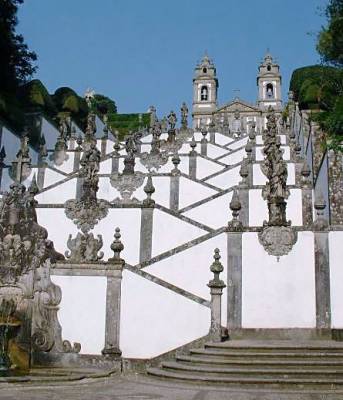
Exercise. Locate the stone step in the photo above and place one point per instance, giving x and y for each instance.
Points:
(251, 354)
(203, 360)
(280, 345)
(239, 380)
(329, 373)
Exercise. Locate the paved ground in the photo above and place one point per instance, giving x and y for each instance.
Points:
(143, 388)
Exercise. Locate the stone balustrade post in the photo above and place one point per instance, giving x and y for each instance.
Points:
(322, 266)
(216, 286)
(234, 264)
(147, 214)
(113, 298)
(2, 164)
(115, 158)
(203, 145)
(174, 197)
(306, 195)
(193, 160)
(212, 132)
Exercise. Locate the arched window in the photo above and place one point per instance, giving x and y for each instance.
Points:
(269, 91)
(269, 68)
(204, 93)
(204, 70)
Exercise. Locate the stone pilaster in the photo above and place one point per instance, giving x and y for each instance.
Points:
(193, 160)
(216, 286)
(113, 297)
(147, 214)
(335, 164)
(174, 196)
(234, 263)
(306, 195)
(322, 266)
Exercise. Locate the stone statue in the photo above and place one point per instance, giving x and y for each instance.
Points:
(172, 119)
(184, 116)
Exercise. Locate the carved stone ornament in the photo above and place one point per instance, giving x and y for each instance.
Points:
(84, 214)
(84, 248)
(127, 184)
(154, 160)
(278, 240)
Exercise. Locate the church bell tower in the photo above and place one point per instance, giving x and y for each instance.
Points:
(205, 86)
(269, 84)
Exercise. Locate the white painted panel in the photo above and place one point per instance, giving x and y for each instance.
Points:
(278, 294)
(205, 167)
(155, 320)
(285, 155)
(214, 151)
(260, 179)
(215, 213)
(59, 194)
(234, 158)
(190, 269)
(226, 179)
(105, 166)
(222, 139)
(52, 177)
(68, 164)
(82, 311)
(191, 192)
(169, 232)
(336, 278)
(239, 143)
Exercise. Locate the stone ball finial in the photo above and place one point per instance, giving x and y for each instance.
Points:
(193, 144)
(79, 140)
(116, 146)
(248, 147)
(176, 160)
(305, 170)
(216, 268)
(235, 203)
(149, 189)
(244, 171)
(117, 246)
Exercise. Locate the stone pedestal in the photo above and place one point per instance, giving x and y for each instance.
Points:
(174, 196)
(113, 296)
(234, 280)
(146, 233)
(193, 164)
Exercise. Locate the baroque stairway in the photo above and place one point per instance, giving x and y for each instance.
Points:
(271, 362)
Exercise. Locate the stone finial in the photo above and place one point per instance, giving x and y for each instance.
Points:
(184, 116)
(2, 155)
(203, 132)
(305, 173)
(33, 188)
(216, 266)
(117, 246)
(149, 189)
(105, 131)
(79, 142)
(244, 171)
(235, 206)
(212, 125)
(176, 161)
(116, 147)
(248, 149)
(193, 145)
(297, 149)
(321, 223)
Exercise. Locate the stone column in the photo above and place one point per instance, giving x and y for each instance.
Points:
(322, 266)
(2, 164)
(335, 165)
(175, 184)
(147, 214)
(113, 297)
(193, 160)
(306, 195)
(212, 131)
(203, 146)
(115, 158)
(234, 264)
(216, 286)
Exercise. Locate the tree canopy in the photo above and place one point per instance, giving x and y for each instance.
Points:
(17, 61)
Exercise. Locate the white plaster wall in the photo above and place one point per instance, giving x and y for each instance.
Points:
(155, 320)
(170, 232)
(234, 158)
(128, 220)
(285, 155)
(190, 269)
(58, 194)
(222, 139)
(278, 294)
(213, 151)
(82, 311)
(260, 179)
(336, 278)
(204, 167)
(238, 143)
(226, 179)
(215, 213)
(68, 165)
(258, 209)
(50, 133)
(191, 192)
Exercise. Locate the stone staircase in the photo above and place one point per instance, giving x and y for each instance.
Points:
(237, 362)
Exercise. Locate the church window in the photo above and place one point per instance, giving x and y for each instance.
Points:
(204, 70)
(269, 67)
(204, 93)
(269, 91)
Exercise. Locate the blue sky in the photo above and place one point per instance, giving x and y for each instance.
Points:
(143, 52)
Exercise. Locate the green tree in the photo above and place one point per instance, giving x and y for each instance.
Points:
(16, 64)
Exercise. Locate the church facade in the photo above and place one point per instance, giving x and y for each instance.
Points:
(236, 116)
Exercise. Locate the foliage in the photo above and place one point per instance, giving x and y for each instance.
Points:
(103, 105)
(16, 64)
(330, 39)
(124, 123)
